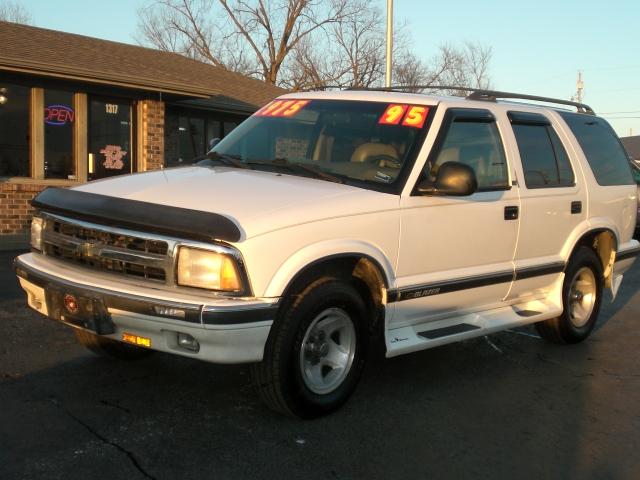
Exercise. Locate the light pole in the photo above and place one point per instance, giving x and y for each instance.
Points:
(387, 77)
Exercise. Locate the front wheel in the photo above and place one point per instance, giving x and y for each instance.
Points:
(316, 351)
(581, 296)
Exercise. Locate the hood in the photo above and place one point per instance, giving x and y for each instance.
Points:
(258, 202)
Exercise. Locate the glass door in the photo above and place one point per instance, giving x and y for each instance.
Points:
(110, 138)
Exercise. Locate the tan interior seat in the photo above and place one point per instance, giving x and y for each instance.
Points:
(373, 150)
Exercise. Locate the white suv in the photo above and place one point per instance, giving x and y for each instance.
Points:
(328, 217)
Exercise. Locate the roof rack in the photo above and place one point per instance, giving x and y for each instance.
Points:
(475, 94)
(493, 95)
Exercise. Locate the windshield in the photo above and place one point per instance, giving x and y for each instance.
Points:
(362, 143)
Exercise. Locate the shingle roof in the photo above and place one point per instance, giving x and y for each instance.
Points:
(632, 145)
(59, 54)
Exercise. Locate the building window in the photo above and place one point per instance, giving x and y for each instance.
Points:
(14, 130)
(59, 117)
(110, 135)
(228, 127)
(188, 134)
(191, 137)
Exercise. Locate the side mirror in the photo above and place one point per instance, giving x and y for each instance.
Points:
(453, 179)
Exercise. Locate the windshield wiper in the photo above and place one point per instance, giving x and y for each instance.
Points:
(232, 161)
(312, 169)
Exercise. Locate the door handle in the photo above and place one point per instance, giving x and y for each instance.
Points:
(576, 207)
(511, 212)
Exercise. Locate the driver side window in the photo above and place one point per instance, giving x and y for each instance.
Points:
(472, 137)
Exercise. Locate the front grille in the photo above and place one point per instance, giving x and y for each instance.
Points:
(106, 250)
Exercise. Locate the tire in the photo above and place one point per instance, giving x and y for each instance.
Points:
(111, 348)
(581, 297)
(316, 351)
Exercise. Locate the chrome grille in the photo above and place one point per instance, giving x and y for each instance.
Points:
(105, 249)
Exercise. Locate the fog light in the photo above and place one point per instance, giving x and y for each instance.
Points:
(187, 341)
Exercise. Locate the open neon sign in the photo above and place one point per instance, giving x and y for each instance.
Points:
(58, 115)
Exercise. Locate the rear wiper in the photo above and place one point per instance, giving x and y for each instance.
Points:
(315, 171)
(233, 161)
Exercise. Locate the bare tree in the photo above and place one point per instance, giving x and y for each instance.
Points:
(360, 42)
(477, 59)
(466, 66)
(301, 44)
(309, 68)
(181, 26)
(13, 11)
(352, 53)
(254, 36)
(411, 71)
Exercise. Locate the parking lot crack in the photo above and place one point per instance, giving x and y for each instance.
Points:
(115, 405)
(105, 440)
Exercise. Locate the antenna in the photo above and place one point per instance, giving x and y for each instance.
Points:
(579, 88)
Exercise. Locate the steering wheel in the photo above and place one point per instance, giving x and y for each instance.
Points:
(384, 161)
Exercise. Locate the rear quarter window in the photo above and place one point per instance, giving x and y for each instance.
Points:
(601, 146)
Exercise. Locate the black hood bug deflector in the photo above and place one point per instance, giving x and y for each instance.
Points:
(136, 215)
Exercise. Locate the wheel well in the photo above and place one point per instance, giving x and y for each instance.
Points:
(605, 244)
(360, 271)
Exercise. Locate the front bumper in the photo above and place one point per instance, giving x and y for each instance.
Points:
(228, 330)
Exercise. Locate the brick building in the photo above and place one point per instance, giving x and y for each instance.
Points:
(75, 109)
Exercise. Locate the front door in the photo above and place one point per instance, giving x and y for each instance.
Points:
(456, 253)
(110, 138)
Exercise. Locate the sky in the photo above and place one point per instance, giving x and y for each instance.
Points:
(538, 46)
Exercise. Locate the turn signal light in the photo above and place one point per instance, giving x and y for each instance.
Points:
(136, 340)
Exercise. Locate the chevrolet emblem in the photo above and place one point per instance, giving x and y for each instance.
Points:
(89, 250)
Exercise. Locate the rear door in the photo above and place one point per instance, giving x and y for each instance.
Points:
(553, 199)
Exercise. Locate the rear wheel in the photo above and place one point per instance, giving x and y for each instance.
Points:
(316, 351)
(111, 348)
(581, 296)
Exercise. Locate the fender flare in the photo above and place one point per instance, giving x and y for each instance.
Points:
(326, 250)
(587, 227)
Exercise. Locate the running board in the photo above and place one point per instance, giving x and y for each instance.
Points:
(446, 331)
(453, 329)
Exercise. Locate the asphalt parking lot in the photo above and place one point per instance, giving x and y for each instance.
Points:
(511, 406)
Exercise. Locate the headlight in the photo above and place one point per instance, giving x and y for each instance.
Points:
(36, 233)
(207, 269)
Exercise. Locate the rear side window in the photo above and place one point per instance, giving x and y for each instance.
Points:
(471, 137)
(602, 148)
(544, 159)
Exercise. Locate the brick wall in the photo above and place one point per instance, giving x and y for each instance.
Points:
(152, 134)
(15, 207)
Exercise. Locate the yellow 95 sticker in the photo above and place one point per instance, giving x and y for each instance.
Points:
(405, 115)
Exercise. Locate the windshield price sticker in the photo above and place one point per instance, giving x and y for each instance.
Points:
(281, 108)
(406, 115)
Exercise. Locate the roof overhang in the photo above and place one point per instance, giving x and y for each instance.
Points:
(93, 77)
